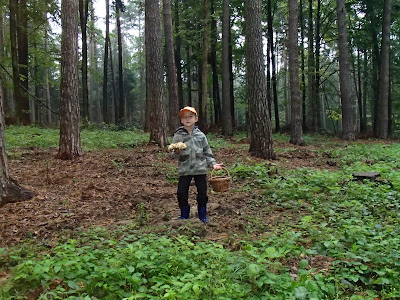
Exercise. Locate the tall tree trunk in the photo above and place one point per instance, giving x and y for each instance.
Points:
(371, 14)
(261, 144)
(296, 132)
(303, 72)
(22, 109)
(105, 65)
(383, 120)
(227, 126)
(189, 74)
(83, 13)
(348, 132)
(70, 139)
(10, 191)
(204, 69)
(14, 58)
(317, 67)
(213, 51)
(231, 77)
(173, 105)
(3, 87)
(365, 87)
(121, 113)
(360, 94)
(273, 66)
(178, 56)
(49, 119)
(311, 68)
(154, 67)
(114, 102)
(142, 88)
(94, 92)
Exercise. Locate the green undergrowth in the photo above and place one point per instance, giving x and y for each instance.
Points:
(100, 265)
(344, 242)
(92, 139)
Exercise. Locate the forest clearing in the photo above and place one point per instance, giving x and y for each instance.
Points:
(298, 227)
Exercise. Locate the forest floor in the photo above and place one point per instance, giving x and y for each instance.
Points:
(138, 186)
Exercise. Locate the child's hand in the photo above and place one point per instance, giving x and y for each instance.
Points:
(218, 166)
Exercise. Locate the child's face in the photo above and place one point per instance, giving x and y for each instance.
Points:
(188, 119)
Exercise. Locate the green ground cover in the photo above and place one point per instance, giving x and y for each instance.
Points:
(354, 226)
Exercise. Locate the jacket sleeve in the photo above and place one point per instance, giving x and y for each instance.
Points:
(208, 154)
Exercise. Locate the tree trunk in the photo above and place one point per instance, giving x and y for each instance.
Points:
(317, 68)
(70, 139)
(178, 58)
(105, 65)
(296, 126)
(348, 132)
(22, 104)
(273, 66)
(383, 120)
(49, 119)
(83, 13)
(3, 87)
(204, 69)
(10, 191)
(189, 74)
(303, 72)
(371, 14)
(227, 128)
(173, 105)
(121, 112)
(261, 144)
(213, 50)
(14, 56)
(154, 68)
(311, 69)
(114, 102)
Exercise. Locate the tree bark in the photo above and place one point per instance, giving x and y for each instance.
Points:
(83, 13)
(348, 132)
(121, 102)
(213, 50)
(154, 73)
(105, 65)
(227, 128)
(383, 120)
(178, 56)
(70, 139)
(261, 144)
(173, 98)
(296, 126)
(311, 69)
(303, 72)
(10, 190)
(22, 103)
(273, 68)
(204, 69)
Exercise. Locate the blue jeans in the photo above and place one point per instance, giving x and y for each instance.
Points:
(183, 190)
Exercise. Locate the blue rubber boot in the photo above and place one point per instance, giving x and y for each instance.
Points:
(203, 214)
(185, 212)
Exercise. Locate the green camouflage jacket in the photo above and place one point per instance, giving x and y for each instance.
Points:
(197, 156)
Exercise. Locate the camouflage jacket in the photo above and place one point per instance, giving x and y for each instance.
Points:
(197, 156)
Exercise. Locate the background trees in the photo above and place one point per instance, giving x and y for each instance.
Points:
(209, 51)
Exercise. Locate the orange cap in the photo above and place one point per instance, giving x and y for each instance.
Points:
(187, 108)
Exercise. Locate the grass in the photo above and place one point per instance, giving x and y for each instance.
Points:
(92, 139)
(354, 226)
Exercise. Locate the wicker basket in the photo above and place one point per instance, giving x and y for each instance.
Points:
(220, 183)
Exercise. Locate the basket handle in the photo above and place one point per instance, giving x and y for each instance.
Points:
(223, 168)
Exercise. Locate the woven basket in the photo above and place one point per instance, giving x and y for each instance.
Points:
(220, 183)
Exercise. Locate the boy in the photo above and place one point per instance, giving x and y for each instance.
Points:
(193, 162)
